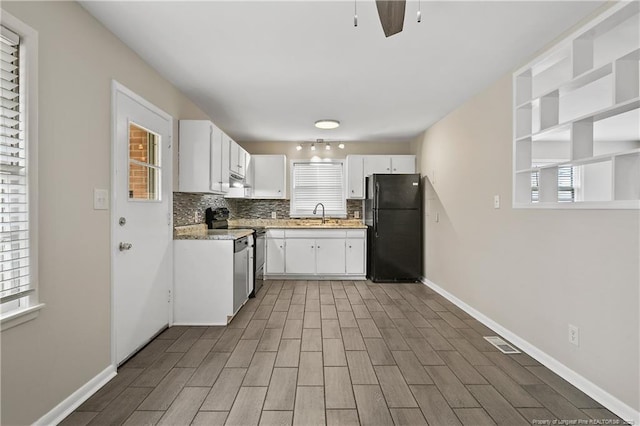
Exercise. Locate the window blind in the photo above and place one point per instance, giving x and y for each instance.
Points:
(14, 216)
(566, 185)
(315, 183)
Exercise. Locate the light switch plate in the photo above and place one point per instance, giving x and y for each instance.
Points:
(100, 199)
(356, 214)
(274, 215)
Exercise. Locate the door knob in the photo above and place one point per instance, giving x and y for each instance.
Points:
(125, 246)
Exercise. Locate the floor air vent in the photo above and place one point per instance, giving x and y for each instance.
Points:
(502, 346)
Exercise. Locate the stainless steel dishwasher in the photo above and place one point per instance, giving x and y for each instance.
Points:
(241, 265)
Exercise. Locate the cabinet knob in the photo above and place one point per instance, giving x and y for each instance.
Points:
(349, 246)
(279, 191)
(387, 168)
(395, 170)
(318, 247)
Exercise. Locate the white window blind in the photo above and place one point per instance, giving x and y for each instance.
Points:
(318, 182)
(566, 185)
(14, 216)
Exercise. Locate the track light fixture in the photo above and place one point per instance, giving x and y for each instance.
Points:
(319, 142)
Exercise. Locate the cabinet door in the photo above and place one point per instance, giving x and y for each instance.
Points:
(194, 155)
(219, 172)
(403, 164)
(268, 177)
(233, 155)
(330, 256)
(376, 164)
(275, 256)
(355, 176)
(243, 161)
(300, 256)
(355, 257)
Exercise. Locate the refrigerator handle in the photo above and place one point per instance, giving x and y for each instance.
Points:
(375, 221)
(376, 207)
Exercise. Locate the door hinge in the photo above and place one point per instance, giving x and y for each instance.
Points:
(169, 297)
(169, 218)
(170, 142)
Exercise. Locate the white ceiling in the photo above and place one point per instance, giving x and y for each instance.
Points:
(267, 70)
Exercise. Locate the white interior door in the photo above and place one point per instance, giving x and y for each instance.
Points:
(141, 246)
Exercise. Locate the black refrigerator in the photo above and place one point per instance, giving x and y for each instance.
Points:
(393, 213)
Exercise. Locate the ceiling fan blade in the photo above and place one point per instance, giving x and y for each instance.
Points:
(391, 14)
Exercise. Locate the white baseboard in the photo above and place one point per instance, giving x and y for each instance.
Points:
(609, 401)
(73, 401)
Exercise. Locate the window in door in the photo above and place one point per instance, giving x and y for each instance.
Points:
(144, 164)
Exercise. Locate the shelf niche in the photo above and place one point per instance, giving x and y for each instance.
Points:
(578, 107)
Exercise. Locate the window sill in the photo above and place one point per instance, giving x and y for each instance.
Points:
(12, 319)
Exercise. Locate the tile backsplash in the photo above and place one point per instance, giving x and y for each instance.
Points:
(188, 208)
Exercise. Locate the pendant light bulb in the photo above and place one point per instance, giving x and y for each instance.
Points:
(341, 145)
(313, 147)
(419, 13)
(299, 147)
(327, 147)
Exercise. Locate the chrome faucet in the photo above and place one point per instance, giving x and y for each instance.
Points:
(316, 209)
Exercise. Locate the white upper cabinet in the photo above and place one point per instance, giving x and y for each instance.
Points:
(377, 164)
(268, 176)
(403, 164)
(201, 158)
(355, 172)
(361, 166)
(238, 157)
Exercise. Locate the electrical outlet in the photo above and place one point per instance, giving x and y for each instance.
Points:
(356, 214)
(274, 215)
(496, 201)
(574, 335)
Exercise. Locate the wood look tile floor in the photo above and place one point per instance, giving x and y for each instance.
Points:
(336, 353)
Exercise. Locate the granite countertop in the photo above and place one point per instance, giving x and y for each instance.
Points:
(299, 223)
(200, 232)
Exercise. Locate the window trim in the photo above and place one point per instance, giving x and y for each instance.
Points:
(294, 213)
(29, 77)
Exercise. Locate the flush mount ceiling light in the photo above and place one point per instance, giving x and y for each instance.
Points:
(327, 124)
(341, 145)
(299, 147)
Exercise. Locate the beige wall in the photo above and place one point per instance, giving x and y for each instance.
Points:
(45, 360)
(532, 271)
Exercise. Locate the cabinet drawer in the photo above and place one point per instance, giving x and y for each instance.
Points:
(275, 233)
(356, 233)
(315, 233)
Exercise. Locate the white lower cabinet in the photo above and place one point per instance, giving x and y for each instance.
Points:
(203, 292)
(330, 256)
(275, 250)
(355, 255)
(321, 253)
(300, 256)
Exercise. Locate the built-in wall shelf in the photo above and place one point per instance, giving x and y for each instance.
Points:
(576, 133)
